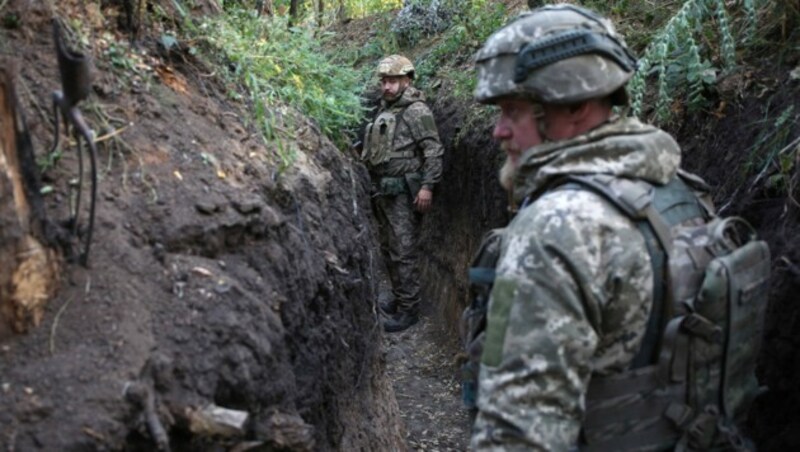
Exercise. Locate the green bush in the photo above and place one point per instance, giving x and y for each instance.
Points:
(279, 65)
(456, 46)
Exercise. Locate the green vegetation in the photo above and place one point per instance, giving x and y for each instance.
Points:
(454, 48)
(324, 12)
(771, 153)
(281, 66)
(688, 54)
(685, 48)
(305, 68)
(364, 8)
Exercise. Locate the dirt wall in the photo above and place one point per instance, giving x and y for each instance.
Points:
(468, 202)
(216, 277)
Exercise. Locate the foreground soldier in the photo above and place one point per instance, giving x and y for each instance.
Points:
(404, 157)
(574, 286)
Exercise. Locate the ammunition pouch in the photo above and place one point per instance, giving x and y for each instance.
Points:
(392, 186)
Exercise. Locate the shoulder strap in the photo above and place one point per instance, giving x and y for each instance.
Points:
(401, 117)
(655, 209)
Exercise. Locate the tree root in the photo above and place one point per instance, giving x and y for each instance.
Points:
(142, 396)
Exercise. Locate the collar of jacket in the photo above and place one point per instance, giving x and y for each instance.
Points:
(409, 96)
(624, 147)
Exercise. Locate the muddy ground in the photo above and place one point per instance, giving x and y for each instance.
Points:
(219, 276)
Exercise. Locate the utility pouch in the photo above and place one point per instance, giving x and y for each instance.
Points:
(414, 182)
(393, 186)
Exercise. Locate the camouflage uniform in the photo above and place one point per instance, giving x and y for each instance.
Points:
(415, 150)
(573, 289)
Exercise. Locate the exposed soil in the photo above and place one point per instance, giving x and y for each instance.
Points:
(421, 362)
(217, 276)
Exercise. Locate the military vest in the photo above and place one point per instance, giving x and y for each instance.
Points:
(380, 144)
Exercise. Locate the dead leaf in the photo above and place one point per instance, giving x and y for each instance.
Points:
(172, 79)
(720, 111)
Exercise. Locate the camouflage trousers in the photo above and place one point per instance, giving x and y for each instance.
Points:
(399, 231)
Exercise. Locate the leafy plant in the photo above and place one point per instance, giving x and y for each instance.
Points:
(49, 160)
(457, 44)
(279, 66)
(681, 58)
(363, 8)
(771, 138)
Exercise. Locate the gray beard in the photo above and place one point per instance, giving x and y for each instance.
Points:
(507, 174)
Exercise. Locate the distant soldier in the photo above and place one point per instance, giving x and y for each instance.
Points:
(404, 157)
(598, 336)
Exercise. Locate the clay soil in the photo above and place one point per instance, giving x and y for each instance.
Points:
(218, 276)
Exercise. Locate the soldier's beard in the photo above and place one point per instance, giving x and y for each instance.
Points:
(391, 97)
(507, 174)
(509, 170)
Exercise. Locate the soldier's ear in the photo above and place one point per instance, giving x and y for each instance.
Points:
(580, 111)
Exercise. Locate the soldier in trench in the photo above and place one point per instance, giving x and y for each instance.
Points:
(404, 156)
(574, 283)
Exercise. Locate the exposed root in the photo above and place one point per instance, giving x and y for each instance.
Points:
(54, 327)
(142, 396)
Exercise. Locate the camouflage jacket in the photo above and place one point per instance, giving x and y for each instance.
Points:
(416, 132)
(573, 289)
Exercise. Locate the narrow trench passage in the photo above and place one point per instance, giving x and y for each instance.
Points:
(421, 366)
(421, 361)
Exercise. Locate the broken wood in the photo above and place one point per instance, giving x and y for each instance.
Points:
(30, 263)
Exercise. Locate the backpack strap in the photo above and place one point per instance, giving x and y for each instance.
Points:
(655, 209)
(401, 118)
(635, 199)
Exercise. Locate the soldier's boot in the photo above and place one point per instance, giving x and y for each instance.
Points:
(400, 321)
(388, 307)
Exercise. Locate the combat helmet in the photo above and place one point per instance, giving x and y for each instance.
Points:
(556, 54)
(395, 65)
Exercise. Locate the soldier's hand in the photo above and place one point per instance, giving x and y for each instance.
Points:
(423, 200)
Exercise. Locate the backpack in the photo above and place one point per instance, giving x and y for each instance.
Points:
(693, 380)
